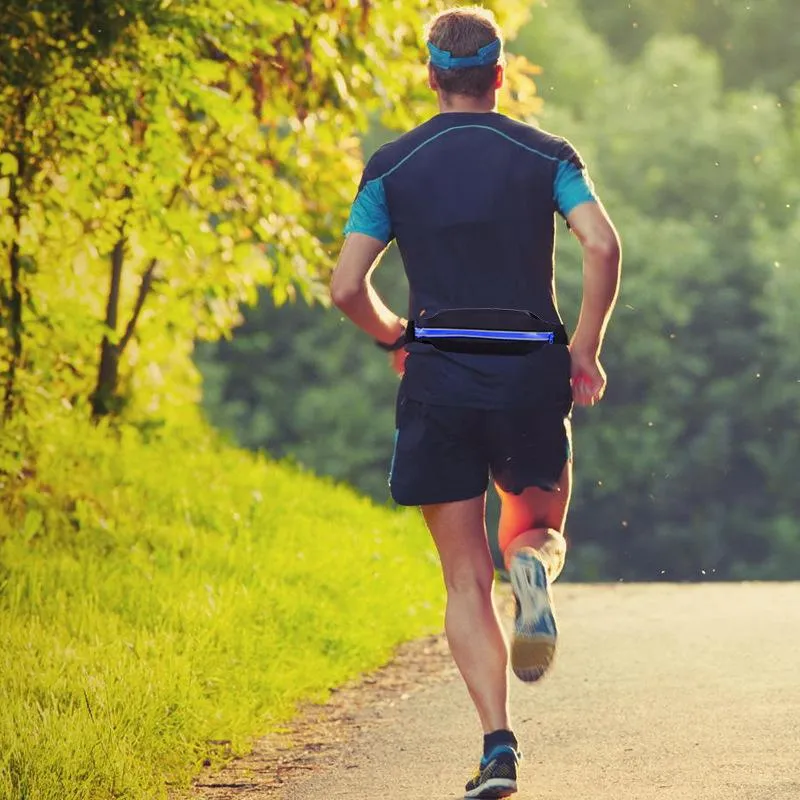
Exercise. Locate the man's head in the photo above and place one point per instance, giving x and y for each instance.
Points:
(460, 33)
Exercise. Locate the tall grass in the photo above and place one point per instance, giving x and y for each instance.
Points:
(155, 598)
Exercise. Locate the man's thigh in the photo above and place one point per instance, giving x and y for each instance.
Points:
(534, 509)
(531, 464)
(528, 447)
(439, 454)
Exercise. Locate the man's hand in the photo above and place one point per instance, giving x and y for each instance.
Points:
(601, 271)
(588, 377)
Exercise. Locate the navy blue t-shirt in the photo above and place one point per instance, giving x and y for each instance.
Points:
(471, 199)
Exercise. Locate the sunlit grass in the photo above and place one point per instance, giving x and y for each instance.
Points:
(157, 598)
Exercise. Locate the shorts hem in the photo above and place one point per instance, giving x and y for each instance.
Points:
(435, 499)
(546, 485)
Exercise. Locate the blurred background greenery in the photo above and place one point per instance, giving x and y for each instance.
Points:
(688, 114)
(173, 184)
(174, 179)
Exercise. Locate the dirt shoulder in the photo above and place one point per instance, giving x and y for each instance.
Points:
(319, 734)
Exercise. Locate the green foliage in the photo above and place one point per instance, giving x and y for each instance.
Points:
(687, 465)
(681, 469)
(159, 595)
(757, 41)
(161, 161)
(322, 394)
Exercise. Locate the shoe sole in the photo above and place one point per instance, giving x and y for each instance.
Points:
(533, 645)
(493, 788)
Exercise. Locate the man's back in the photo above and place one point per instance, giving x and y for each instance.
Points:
(471, 199)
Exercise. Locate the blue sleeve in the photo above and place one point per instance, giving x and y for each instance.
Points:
(370, 213)
(572, 185)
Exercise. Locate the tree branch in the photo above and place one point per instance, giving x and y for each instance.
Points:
(149, 274)
(144, 290)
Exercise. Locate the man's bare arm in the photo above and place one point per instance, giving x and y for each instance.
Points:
(352, 291)
(601, 272)
(601, 275)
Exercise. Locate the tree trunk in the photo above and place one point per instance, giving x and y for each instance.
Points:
(14, 325)
(14, 301)
(103, 397)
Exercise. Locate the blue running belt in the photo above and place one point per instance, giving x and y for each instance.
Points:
(472, 333)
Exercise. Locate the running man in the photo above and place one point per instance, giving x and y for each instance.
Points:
(489, 375)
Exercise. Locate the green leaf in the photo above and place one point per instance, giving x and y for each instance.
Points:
(8, 164)
(32, 524)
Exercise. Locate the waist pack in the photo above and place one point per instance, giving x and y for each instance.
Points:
(491, 331)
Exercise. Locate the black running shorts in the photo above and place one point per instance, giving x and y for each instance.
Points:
(445, 453)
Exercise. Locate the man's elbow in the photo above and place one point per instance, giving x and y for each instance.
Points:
(604, 245)
(344, 292)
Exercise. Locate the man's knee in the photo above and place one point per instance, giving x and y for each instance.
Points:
(470, 578)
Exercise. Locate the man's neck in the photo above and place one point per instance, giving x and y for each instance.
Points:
(468, 105)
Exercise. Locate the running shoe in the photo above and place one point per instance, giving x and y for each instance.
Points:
(533, 644)
(497, 774)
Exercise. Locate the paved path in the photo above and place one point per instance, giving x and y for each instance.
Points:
(687, 692)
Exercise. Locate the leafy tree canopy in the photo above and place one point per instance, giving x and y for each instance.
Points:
(160, 161)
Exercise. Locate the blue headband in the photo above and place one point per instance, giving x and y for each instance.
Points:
(444, 59)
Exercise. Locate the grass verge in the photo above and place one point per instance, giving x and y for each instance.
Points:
(157, 598)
